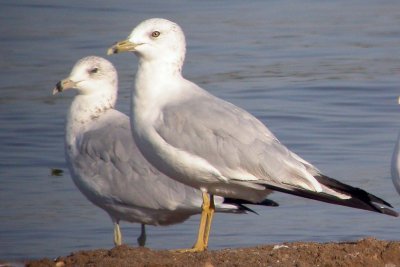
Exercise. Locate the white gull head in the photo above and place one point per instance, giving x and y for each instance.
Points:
(156, 39)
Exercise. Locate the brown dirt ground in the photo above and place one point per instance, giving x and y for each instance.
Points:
(366, 252)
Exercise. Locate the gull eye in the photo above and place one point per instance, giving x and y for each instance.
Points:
(155, 34)
(94, 70)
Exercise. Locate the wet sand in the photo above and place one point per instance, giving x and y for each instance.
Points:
(365, 252)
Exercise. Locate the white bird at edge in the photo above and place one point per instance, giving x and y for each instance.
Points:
(210, 144)
(108, 168)
(395, 166)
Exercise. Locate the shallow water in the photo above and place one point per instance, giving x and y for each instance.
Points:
(324, 78)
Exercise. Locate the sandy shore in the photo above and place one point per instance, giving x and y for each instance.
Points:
(366, 252)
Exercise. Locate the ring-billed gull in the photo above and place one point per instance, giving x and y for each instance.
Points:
(210, 144)
(106, 165)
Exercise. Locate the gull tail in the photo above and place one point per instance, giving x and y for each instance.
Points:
(358, 198)
(241, 204)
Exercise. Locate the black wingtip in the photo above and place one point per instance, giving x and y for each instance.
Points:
(267, 202)
(341, 187)
(241, 203)
(247, 209)
(359, 198)
(386, 211)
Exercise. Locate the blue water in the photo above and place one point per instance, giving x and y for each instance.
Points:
(323, 75)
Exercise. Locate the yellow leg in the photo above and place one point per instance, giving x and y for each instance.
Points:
(209, 220)
(201, 243)
(117, 234)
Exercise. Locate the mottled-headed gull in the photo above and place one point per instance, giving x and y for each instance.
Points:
(106, 165)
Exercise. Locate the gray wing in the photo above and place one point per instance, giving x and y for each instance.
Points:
(115, 170)
(233, 141)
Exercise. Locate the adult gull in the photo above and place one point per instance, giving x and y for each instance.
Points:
(210, 144)
(106, 165)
